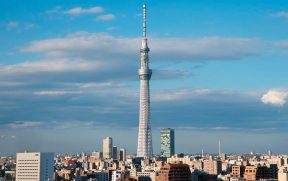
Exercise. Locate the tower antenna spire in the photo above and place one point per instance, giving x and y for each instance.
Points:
(144, 20)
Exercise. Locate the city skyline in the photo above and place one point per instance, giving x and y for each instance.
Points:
(219, 73)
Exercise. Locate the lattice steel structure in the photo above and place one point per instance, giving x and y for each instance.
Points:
(144, 148)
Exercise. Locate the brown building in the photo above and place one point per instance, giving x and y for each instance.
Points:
(257, 172)
(237, 171)
(174, 172)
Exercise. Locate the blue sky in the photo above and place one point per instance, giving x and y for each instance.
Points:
(69, 72)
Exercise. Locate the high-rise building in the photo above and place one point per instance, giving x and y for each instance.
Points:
(144, 148)
(115, 153)
(122, 154)
(36, 166)
(107, 148)
(167, 142)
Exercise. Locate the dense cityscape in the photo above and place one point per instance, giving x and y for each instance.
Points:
(114, 164)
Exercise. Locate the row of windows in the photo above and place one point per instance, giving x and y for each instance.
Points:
(28, 172)
(27, 163)
(30, 175)
(27, 178)
(27, 169)
(28, 160)
(27, 166)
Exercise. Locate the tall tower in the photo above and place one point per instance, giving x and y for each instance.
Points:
(144, 148)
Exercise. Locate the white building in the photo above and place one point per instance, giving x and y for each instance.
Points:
(107, 148)
(122, 154)
(34, 166)
(117, 175)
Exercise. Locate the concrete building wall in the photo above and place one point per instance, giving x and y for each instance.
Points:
(34, 166)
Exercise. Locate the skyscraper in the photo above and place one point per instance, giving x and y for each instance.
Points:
(122, 154)
(115, 153)
(34, 166)
(167, 142)
(107, 148)
(144, 148)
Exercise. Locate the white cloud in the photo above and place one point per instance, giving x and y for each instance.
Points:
(25, 124)
(283, 14)
(275, 97)
(19, 26)
(179, 94)
(80, 10)
(86, 45)
(57, 65)
(106, 17)
(56, 92)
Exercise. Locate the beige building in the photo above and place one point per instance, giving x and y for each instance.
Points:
(193, 164)
(282, 174)
(213, 167)
(107, 148)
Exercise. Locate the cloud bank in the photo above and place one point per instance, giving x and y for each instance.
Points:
(93, 45)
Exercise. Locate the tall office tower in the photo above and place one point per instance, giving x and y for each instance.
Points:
(122, 154)
(107, 148)
(115, 154)
(167, 142)
(144, 148)
(34, 166)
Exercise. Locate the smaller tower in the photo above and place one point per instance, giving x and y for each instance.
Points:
(107, 148)
(167, 142)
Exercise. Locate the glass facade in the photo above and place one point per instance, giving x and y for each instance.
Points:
(167, 142)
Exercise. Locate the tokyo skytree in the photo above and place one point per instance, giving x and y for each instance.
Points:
(144, 148)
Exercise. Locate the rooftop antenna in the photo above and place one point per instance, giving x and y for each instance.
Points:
(202, 153)
(144, 20)
(219, 147)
